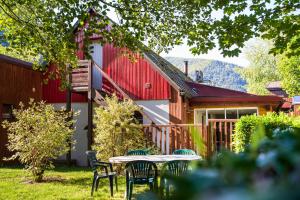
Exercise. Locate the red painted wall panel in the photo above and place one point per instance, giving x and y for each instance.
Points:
(52, 93)
(133, 76)
(130, 76)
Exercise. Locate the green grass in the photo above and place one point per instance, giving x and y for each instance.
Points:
(60, 183)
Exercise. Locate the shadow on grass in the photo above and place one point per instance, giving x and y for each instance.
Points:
(65, 168)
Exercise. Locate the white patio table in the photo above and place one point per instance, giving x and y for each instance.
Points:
(153, 158)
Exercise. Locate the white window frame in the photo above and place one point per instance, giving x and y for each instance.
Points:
(225, 109)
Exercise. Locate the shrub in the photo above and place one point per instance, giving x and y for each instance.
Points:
(268, 170)
(37, 135)
(247, 125)
(117, 131)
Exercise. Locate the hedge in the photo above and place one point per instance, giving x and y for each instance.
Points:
(247, 125)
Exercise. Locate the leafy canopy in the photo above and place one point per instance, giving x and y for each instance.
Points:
(38, 135)
(289, 70)
(262, 69)
(45, 28)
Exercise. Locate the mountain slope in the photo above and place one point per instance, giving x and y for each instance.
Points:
(216, 73)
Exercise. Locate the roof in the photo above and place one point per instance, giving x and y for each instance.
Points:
(206, 93)
(275, 84)
(172, 73)
(15, 61)
(192, 89)
(201, 92)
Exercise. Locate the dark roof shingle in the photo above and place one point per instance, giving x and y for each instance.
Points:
(173, 73)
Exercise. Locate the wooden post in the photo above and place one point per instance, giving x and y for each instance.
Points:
(68, 109)
(90, 105)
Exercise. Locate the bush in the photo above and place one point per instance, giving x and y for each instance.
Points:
(117, 131)
(247, 125)
(268, 170)
(38, 135)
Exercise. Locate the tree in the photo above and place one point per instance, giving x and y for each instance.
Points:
(262, 69)
(289, 69)
(46, 28)
(117, 131)
(38, 135)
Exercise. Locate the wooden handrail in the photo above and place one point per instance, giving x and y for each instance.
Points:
(105, 75)
(222, 120)
(217, 134)
(171, 125)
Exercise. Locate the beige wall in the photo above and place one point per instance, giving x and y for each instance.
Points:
(80, 135)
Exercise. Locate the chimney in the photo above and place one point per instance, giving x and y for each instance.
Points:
(186, 67)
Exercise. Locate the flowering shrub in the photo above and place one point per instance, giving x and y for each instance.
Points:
(38, 135)
(117, 131)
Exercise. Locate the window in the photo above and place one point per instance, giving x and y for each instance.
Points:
(216, 114)
(139, 117)
(202, 115)
(243, 112)
(231, 114)
(7, 111)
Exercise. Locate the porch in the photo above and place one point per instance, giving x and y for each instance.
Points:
(213, 136)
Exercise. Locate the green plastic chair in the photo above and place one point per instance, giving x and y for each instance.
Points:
(101, 170)
(140, 172)
(171, 169)
(184, 152)
(137, 152)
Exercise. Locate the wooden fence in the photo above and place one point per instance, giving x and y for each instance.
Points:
(217, 134)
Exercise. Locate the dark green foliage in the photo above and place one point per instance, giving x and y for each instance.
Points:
(247, 125)
(222, 74)
(46, 27)
(269, 170)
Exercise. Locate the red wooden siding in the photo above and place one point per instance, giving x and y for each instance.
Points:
(79, 36)
(133, 77)
(52, 93)
(18, 83)
(178, 107)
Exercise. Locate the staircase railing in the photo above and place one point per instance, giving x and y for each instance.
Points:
(84, 82)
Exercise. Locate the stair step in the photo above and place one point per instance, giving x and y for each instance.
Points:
(80, 89)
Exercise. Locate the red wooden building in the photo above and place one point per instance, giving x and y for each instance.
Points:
(18, 83)
(169, 98)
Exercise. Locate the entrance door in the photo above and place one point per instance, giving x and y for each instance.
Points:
(97, 55)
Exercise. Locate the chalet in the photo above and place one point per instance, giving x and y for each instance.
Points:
(169, 97)
(171, 101)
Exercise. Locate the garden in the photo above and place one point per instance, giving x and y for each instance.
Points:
(266, 155)
(262, 161)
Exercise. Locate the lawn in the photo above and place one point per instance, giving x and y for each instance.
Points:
(61, 183)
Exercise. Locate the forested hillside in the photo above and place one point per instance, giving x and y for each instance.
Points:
(215, 72)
